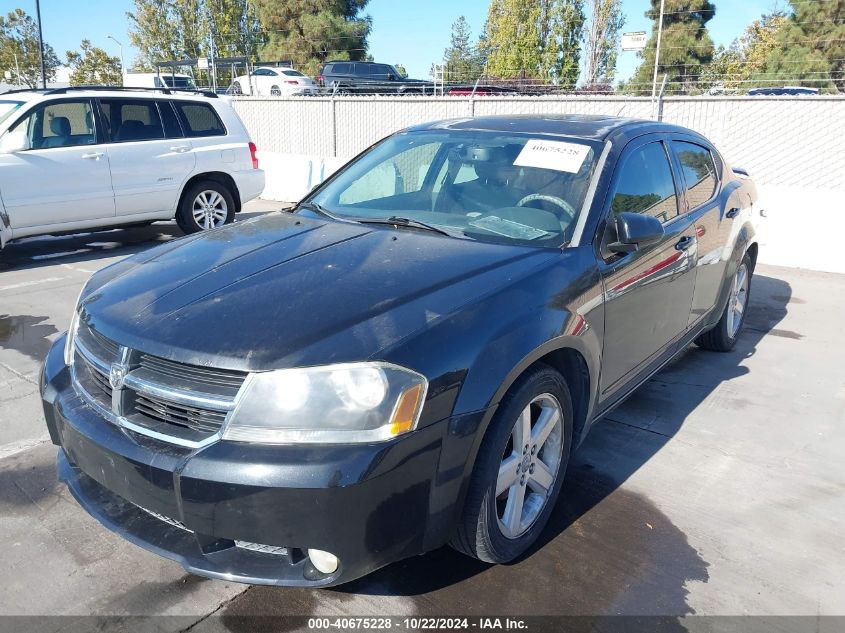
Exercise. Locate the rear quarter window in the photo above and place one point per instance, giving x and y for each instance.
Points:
(199, 119)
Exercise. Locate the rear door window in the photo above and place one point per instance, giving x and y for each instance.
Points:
(172, 129)
(341, 69)
(199, 119)
(646, 184)
(129, 120)
(699, 172)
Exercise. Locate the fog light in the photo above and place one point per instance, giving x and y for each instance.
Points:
(323, 562)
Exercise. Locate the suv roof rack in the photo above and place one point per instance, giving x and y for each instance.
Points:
(18, 90)
(167, 91)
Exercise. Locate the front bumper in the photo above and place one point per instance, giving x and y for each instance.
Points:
(245, 512)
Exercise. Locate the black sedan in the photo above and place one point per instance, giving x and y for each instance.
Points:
(406, 361)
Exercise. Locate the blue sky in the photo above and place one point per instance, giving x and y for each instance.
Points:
(409, 32)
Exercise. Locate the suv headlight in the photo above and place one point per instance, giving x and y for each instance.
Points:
(337, 404)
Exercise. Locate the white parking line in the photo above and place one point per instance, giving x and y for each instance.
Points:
(34, 282)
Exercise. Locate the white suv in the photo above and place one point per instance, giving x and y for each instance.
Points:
(74, 159)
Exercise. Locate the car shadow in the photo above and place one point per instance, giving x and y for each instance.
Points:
(606, 550)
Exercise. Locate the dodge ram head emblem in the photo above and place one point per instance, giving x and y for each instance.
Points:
(117, 374)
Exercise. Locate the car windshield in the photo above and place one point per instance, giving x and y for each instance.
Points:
(178, 82)
(487, 186)
(7, 108)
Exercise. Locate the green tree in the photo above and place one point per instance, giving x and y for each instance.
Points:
(810, 47)
(310, 32)
(685, 47)
(92, 66)
(535, 38)
(164, 30)
(19, 52)
(461, 60)
(401, 69)
(602, 41)
(732, 68)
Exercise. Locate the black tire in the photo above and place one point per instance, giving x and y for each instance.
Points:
(721, 338)
(275, 91)
(479, 533)
(185, 216)
(236, 88)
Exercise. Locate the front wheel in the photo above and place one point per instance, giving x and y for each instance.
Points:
(275, 91)
(723, 336)
(519, 470)
(206, 205)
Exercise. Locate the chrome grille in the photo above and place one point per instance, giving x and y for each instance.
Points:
(263, 549)
(173, 413)
(180, 403)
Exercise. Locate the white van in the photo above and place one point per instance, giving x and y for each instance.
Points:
(80, 158)
(159, 80)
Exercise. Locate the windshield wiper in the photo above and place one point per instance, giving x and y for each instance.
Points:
(318, 208)
(417, 224)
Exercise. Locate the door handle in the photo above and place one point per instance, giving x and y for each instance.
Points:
(93, 155)
(732, 213)
(684, 243)
(180, 149)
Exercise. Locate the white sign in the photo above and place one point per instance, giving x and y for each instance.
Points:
(556, 155)
(7, 74)
(202, 63)
(634, 41)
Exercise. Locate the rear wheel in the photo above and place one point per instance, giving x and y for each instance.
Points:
(206, 205)
(723, 336)
(519, 470)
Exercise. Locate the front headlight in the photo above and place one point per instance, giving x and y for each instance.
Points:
(353, 402)
(71, 332)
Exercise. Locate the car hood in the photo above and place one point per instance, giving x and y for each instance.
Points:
(285, 290)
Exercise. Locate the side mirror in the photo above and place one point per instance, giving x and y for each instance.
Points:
(634, 231)
(12, 142)
(390, 76)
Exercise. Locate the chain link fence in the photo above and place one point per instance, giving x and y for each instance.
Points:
(792, 141)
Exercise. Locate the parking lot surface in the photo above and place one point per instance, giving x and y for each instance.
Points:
(718, 488)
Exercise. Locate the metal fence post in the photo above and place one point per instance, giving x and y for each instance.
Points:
(334, 127)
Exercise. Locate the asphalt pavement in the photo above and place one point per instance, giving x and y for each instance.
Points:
(718, 488)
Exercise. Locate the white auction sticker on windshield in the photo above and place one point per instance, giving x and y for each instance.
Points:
(557, 155)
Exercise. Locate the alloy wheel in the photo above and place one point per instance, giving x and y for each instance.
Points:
(530, 466)
(210, 209)
(738, 300)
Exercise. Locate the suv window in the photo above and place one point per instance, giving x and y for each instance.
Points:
(646, 185)
(172, 129)
(199, 119)
(341, 69)
(699, 172)
(131, 119)
(60, 124)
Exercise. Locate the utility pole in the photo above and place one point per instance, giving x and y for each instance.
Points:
(41, 44)
(657, 53)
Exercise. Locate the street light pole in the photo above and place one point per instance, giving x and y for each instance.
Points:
(41, 44)
(657, 54)
(122, 65)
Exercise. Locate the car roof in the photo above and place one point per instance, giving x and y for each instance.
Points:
(587, 126)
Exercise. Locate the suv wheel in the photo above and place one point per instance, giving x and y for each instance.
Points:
(723, 336)
(519, 470)
(206, 205)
